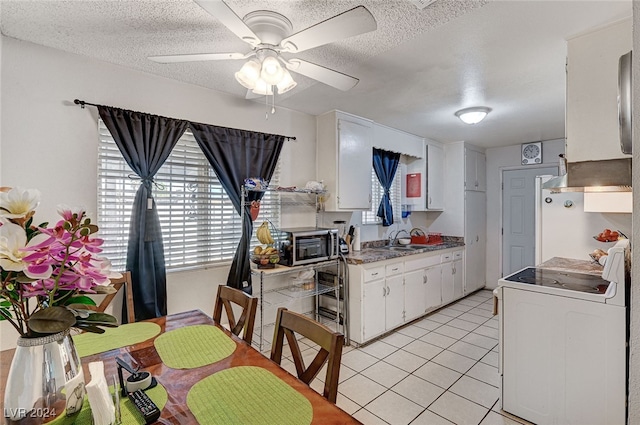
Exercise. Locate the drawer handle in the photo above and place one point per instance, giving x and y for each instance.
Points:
(395, 270)
(374, 274)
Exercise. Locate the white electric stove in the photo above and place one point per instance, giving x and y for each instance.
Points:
(563, 341)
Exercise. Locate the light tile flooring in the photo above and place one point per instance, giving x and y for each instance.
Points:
(442, 369)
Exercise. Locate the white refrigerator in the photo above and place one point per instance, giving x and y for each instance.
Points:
(563, 229)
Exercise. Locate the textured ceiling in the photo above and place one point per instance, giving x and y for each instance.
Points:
(415, 70)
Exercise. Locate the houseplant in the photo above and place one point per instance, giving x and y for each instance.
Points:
(45, 272)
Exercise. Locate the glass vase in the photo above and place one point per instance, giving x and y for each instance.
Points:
(45, 382)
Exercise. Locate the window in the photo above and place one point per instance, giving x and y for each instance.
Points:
(198, 221)
(370, 217)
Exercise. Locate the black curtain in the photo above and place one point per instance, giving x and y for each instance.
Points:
(145, 142)
(385, 164)
(234, 156)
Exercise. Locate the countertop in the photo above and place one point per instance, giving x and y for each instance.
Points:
(572, 266)
(370, 255)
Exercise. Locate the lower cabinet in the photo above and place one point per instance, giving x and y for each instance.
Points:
(386, 294)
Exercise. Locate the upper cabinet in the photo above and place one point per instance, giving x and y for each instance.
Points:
(475, 170)
(344, 160)
(423, 179)
(393, 140)
(592, 90)
(435, 177)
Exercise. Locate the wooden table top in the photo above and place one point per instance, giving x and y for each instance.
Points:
(177, 382)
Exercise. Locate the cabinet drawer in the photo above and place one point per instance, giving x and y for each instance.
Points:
(447, 257)
(421, 263)
(394, 269)
(457, 255)
(373, 273)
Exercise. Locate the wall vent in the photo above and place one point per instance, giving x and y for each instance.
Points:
(421, 4)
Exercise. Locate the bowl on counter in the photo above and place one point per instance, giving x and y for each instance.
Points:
(266, 261)
(404, 241)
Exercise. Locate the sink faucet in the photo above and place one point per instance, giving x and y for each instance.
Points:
(395, 238)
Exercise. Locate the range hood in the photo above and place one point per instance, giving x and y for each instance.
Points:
(609, 175)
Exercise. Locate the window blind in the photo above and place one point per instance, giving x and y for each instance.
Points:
(199, 223)
(370, 217)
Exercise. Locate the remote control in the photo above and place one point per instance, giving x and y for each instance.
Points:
(145, 406)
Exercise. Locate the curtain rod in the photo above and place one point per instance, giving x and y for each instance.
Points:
(82, 104)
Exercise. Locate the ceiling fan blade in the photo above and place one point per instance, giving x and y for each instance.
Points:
(327, 76)
(195, 57)
(347, 24)
(228, 17)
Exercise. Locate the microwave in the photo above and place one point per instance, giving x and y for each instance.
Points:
(306, 245)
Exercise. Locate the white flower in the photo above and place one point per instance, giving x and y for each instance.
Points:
(18, 202)
(12, 239)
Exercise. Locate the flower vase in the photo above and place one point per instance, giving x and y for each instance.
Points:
(45, 382)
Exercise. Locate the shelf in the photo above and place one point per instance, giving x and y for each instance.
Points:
(279, 269)
(282, 296)
(283, 190)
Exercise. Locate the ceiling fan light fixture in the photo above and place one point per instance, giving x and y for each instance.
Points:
(473, 115)
(272, 72)
(287, 83)
(262, 88)
(249, 74)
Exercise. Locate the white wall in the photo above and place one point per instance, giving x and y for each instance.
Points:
(50, 144)
(499, 159)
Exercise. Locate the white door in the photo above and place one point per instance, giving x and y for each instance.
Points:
(518, 217)
(394, 302)
(415, 297)
(435, 178)
(433, 283)
(354, 168)
(373, 305)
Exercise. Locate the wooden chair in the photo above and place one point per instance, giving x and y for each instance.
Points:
(123, 282)
(288, 322)
(228, 295)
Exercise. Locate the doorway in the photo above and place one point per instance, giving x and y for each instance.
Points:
(518, 217)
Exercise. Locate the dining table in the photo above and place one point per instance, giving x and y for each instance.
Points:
(180, 378)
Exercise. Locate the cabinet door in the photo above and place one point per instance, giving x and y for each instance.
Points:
(470, 180)
(435, 178)
(373, 305)
(447, 283)
(394, 302)
(433, 286)
(481, 172)
(354, 167)
(475, 236)
(458, 279)
(414, 294)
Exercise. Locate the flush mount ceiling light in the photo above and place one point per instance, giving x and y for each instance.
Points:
(269, 34)
(473, 115)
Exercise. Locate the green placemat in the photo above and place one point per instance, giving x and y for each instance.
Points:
(247, 395)
(128, 412)
(193, 346)
(89, 343)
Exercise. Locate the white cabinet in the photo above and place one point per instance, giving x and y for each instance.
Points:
(475, 170)
(344, 160)
(475, 238)
(452, 276)
(394, 140)
(435, 178)
(592, 90)
(386, 294)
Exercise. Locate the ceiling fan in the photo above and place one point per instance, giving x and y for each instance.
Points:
(269, 35)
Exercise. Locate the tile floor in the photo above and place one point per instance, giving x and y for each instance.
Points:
(442, 369)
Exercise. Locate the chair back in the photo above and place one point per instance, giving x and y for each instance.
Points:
(127, 298)
(287, 324)
(227, 296)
